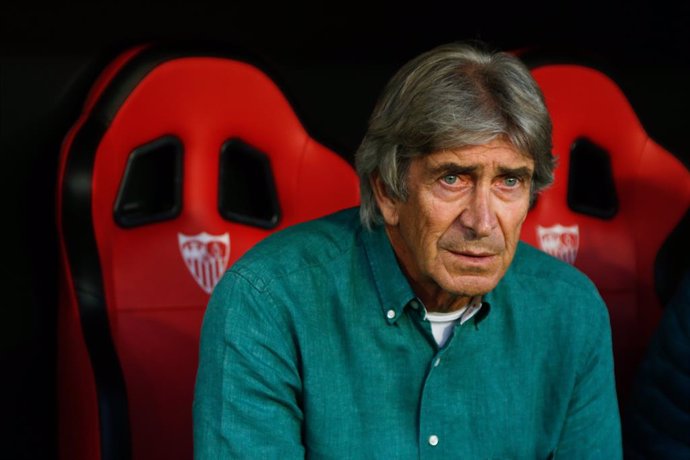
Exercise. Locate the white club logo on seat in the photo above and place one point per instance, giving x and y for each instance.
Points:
(560, 241)
(206, 257)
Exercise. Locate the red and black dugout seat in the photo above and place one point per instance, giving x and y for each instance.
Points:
(180, 162)
(617, 201)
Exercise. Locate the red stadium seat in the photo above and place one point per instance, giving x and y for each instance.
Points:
(180, 162)
(616, 198)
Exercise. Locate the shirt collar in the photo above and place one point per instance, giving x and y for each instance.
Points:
(472, 309)
(393, 288)
(462, 315)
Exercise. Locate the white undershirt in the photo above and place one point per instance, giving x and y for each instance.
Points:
(442, 323)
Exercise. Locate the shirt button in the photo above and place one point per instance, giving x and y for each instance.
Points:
(390, 314)
(433, 440)
(437, 361)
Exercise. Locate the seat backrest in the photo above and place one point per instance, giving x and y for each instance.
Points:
(616, 197)
(180, 162)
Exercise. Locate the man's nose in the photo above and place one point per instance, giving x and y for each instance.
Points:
(478, 218)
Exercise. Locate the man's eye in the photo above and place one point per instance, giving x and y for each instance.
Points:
(511, 181)
(450, 179)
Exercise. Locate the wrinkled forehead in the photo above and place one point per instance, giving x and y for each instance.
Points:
(470, 140)
(494, 154)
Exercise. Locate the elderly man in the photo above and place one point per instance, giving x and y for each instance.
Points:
(417, 326)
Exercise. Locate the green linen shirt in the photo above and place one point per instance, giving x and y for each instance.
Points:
(314, 345)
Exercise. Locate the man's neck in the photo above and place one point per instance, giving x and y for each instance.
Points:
(437, 300)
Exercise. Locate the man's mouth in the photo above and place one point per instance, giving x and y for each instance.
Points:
(474, 258)
(474, 254)
(479, 253)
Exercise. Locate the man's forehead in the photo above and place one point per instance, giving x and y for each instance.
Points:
(494, 155)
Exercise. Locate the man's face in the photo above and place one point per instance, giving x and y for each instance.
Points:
(457, 232)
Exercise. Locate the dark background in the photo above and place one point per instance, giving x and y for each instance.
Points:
(332, 60)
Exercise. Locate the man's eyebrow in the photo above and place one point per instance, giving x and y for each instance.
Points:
(452, 168)
(522, 172)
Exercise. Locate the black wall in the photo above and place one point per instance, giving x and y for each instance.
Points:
(333, 60)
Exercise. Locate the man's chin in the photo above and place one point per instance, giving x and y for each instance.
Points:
(471, 284)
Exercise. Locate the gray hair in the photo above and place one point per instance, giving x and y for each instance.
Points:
(452, 96)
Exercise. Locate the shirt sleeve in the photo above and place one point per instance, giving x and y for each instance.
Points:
(592, 426)
(248, 382)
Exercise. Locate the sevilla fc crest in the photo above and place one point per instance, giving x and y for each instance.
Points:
(560, 241)
(206, 257)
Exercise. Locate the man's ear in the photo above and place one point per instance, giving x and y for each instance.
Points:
(387, 204)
